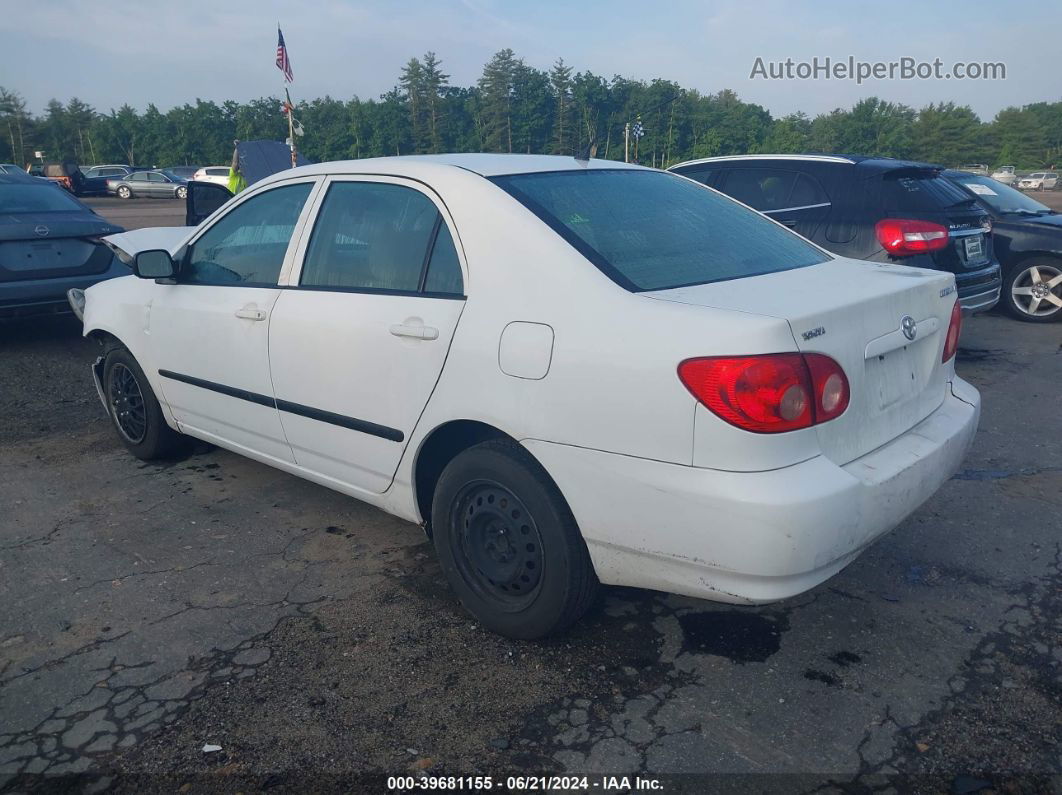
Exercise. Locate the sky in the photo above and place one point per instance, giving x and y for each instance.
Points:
(168, 53)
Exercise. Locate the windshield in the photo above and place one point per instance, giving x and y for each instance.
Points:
(1001, 198)
(28, 198)
(647, 230)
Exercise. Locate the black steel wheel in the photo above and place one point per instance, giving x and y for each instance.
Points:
(126, 403)
(134, 409)
(498, 549)
(508, 543)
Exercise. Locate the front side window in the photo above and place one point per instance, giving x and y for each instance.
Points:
(649, 230)
(376, 237)
(247, 245)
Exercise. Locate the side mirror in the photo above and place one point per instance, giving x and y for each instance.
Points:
(154, 264)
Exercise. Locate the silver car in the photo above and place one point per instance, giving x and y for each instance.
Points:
(158, 184)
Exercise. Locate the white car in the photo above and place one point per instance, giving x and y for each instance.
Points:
(567, 371)
(219, 175)
(1005, 174)
(1040, 180)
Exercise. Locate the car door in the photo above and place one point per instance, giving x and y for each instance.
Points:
(209, 331)
(360, 335)
(158, 185)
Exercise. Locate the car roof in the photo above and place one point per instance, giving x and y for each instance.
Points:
(19, 178)
(424, 166)
(865, 162)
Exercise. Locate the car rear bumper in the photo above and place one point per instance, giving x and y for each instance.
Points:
(979, 290)
(753, 537)
(48, 296)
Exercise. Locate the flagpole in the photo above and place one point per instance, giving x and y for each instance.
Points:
(291, 127)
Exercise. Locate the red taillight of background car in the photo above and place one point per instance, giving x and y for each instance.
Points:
(951, 342)
(770, 393)
(902, 237)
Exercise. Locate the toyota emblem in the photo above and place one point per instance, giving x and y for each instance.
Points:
(908, 327)
(41, 230)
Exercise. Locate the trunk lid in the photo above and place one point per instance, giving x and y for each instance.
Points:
(853, 311)
(52, 245)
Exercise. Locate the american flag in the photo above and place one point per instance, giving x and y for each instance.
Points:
(283, 62)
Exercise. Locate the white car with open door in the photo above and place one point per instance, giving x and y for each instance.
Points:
(568, 371)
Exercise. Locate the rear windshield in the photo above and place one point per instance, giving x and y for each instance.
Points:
(920, 191)
(36, 199)
(1001, 198)
(647, 230)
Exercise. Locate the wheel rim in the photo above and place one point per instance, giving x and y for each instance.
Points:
(1037, 290)
(496, 545)
(181, 193)
(123, 192)
(127, 404)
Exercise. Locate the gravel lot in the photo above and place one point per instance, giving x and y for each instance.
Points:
(147, 610)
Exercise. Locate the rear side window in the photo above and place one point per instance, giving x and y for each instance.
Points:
(217, 172)
(919, 191)
(246, 246)
(762, 188)
(649, 230)
(371, 236)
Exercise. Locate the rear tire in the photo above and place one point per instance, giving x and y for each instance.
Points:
(508, 543)
(124, 192)
(182, 192)
(135, 411)
(1026, 294)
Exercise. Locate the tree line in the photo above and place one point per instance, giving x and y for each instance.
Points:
(514, 107)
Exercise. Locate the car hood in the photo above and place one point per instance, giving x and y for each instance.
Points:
(127, 245)
(29, 226)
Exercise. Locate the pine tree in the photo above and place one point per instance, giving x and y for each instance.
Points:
(496, 92)
(412, 82)
(560, 80)
(435, 83)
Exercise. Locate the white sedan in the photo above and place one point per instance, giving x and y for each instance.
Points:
(569, 372)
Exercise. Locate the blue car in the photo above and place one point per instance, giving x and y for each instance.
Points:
(49, 243)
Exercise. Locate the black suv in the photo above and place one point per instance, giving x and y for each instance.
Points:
(870, 208)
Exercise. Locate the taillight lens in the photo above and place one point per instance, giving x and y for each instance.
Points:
(902, 237)
(771, 393)
(951, 342)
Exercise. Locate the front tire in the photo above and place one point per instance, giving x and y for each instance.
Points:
(124, 192)
(1032, 290)
(508, 543)
(135, 411)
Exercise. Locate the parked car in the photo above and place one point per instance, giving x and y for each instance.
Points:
(155, 183)
(869, 208)
(1039, 180)
(1005, 174)
(568, 371)
(49, 243)
(1028, 242)
(219, 175)
(975, 168)
(11, 168)
(66, 175)
(96, 178)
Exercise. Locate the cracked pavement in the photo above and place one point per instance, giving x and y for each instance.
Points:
(147, 610)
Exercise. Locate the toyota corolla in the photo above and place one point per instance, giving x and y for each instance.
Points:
(569, 372)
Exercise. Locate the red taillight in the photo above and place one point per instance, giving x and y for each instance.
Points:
(951, 342)
(771, 393)
(902, 237)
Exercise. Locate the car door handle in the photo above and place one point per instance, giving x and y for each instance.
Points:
(416, 332)
(250, 313)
